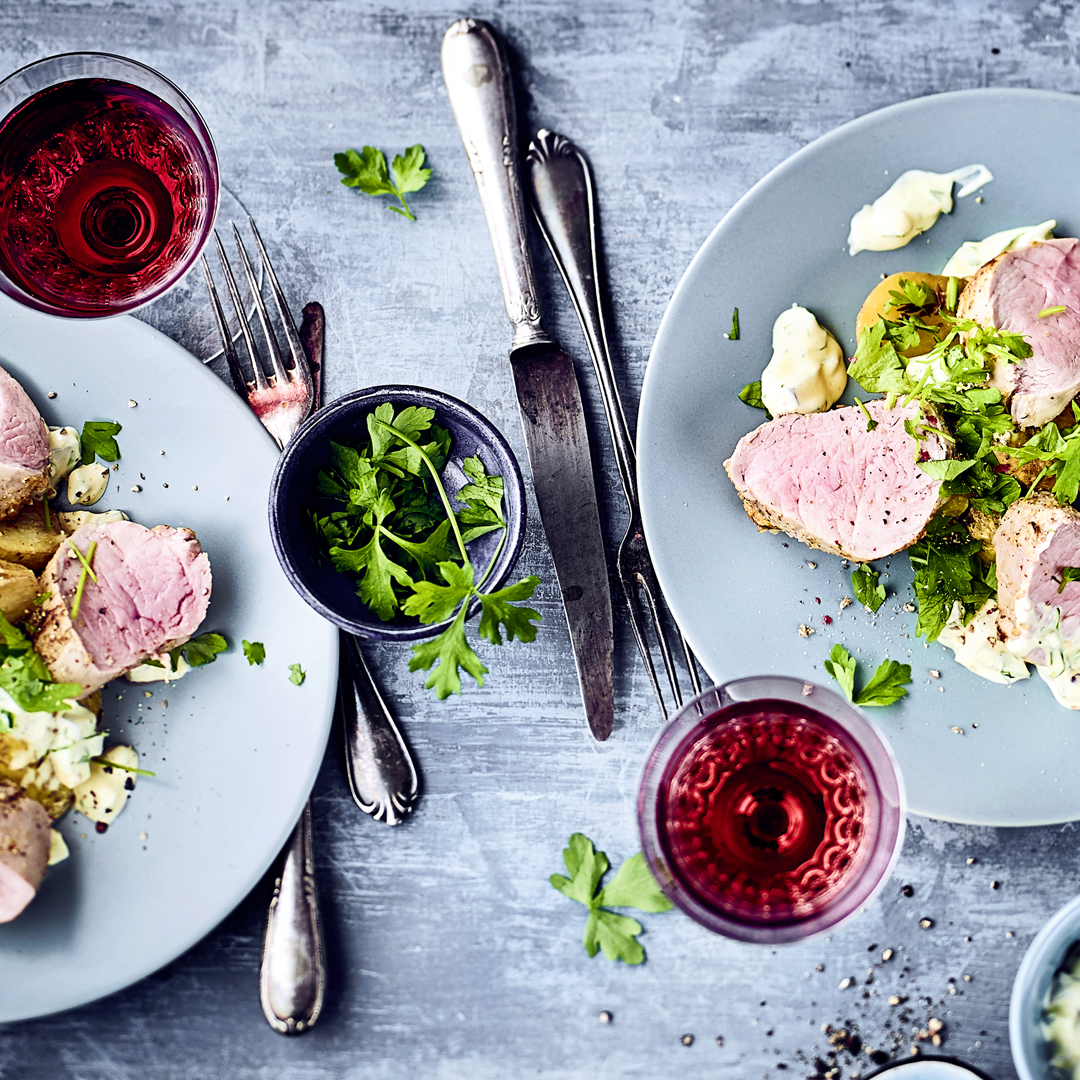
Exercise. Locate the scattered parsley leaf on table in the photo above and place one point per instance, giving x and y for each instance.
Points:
(367, 170)
(868, 592)
(254, 651)
(297, 675)
(633, 886)
(885, 687)
(98, 440)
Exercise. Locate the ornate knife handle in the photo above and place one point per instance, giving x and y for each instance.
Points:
(478, 82)
(382, 776)
(292, 978)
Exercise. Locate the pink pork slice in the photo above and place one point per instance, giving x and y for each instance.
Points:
(827, 481)
(24, 850)
(1008, 293)
(1035, 540)
(151, 594)
(24, 448)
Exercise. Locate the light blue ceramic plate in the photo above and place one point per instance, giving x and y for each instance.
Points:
(237, 749)
(740, 596)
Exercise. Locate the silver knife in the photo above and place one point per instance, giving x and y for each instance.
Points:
(478, 82)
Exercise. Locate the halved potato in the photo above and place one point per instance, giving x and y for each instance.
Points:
(18, 588)
(27, 540)
(874, 305)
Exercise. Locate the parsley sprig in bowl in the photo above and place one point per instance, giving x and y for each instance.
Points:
(398, 512)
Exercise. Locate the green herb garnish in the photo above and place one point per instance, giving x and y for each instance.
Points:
(868, 592)
(885, 687)
(1068, 573)
(98, 440)
(751, 394)
(25, 677)
(367, 171)
(1058, 309)
(254, 651)
(733, 333)
(297, 675)
(105, 763)
(199, 650)
(384, 515)
(85, 572)
(633, 886)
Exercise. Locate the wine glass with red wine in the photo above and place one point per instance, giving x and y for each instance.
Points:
(770, 809)
(108, 185)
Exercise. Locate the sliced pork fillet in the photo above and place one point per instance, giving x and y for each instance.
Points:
(827, 481)
(151, 594)
(1008, 293)
(24, 448)
(24, 850)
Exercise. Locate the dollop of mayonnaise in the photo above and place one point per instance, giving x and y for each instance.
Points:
(106, 792)
(911, 206)
(58, 849)
(1061, 1020)
(65, 451)
(51, 747)
(162, 671)
(1039, 627)
(972, 254)
(87, 484)
(807, 373)
(979, 647)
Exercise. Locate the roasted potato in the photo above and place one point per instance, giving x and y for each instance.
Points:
(874, 305)
(18, 588)
(27, 540)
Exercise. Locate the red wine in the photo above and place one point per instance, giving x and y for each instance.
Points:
(104, 190)
(763, 813)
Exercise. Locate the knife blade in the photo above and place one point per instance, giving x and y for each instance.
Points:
(549, 400)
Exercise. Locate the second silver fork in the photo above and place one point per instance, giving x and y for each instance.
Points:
(560, 183)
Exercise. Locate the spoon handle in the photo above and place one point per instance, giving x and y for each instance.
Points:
(382, 776)
(560, 184)
(292, 979)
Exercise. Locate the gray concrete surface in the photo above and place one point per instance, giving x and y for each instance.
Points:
(450, 954)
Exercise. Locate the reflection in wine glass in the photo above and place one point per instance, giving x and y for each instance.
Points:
(108, 184)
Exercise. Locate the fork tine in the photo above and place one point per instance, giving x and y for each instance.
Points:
(296, 350)
(651, 588)
(639, 636)
(228, 346)
(234, 294)
(276, 360)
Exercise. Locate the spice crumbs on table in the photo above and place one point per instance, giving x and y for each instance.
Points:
(967, 978)
(894, 999)
(994, 884)
(136, 488)
(132, 403)
(971, 860)
(51, 394)
(845, 602)
(909, 607)
(845, 983)
(906, 890)
(605, 1017)
(812, 565)
(887, 954)
(1009, 933)
(687, 1040)
(925, 924)
(934, 674)
(958, 731)
(820, 967)
(827, 620)
(719, 1040)
(952, 989)
(805, 631)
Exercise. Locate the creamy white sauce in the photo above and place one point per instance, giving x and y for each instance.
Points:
(106, 792)
(977, 645)
(969, 256)
(167, 672)
(911, 206)
(87, 484)
(1065, 685)
(1038, 626)
(65, 451)
(807, 373)
(58, 849)
(52, 747)
(1061, 1020)
(70, 520)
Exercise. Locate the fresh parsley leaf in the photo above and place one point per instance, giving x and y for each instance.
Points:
(751, 395)
(25, 677)
(841, 666)
(633, 886)
(449, 653)
(297, 675)
(254, 652)
(877, 366)
(946, 469)
(868, 592)
(499, 609)
(947, 570)
(885, 687)
(98, 440)
(1068, 573)
(367, 170)
(200, 650)
(733, 333)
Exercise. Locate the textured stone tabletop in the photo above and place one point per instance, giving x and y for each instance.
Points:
(450, 954)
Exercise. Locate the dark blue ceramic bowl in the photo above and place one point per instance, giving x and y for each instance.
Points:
(332, 593)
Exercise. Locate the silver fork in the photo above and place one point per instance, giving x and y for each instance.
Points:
(560, 183)
(382, 777)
